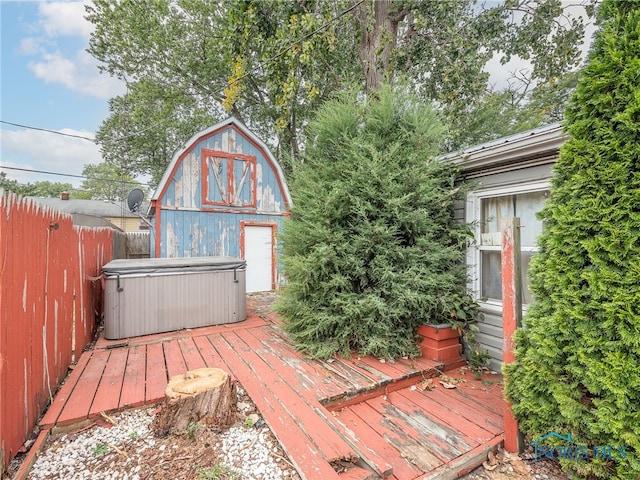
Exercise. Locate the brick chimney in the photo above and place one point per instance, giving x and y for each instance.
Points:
(64, 196)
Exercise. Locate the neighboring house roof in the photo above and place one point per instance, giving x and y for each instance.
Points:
(92, 221)
(96, 208)
(188, 145)
(531, 145)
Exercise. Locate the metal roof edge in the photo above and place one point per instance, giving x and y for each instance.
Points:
(536, 142)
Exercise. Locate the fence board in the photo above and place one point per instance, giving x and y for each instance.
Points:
(138, 245)
(50, 295)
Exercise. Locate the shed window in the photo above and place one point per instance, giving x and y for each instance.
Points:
(228, 179)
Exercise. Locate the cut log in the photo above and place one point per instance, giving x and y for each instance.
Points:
(204, 395)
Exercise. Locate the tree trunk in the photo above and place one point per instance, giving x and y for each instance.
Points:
(206, 395)
(379, 38)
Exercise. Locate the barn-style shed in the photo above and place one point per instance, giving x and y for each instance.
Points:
(223, 194)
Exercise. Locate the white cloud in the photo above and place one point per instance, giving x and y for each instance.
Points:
(64, 19)
(37, 150)
(30, 46)
(79, 75)
(58, 60)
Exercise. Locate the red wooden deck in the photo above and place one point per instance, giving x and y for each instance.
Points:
(356, 411)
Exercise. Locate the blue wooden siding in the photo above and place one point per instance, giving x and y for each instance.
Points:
(196, 234)
(236, 188)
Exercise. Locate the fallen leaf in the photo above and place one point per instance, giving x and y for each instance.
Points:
(449, 379)
(427, 384)
(447, 384)
(520, 467)
(489, 467)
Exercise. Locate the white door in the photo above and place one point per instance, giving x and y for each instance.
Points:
(258, 252)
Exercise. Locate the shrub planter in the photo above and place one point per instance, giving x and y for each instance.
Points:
(440, 343)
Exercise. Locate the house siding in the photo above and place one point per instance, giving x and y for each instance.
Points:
(512, 162)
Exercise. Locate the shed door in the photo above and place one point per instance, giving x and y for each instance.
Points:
(258, 252)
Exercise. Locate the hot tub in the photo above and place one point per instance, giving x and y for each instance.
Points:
(153, 295)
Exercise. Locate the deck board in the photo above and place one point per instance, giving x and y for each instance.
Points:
(78, 405)
(465, 429)
(64, 394)
(110, 386)
(173, 358)
(324, 379)
(390, 422)
(293, 371)
(210, 355)
(319, 411)
(133, 387)
(411, 450)
(375, 448)
(155, 374)
(332, 446)
(191, 354)
(418, 421)
(466, 408)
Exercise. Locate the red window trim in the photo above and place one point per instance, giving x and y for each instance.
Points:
(230, 183)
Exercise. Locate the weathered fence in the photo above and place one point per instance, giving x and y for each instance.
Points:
(138, 245)
(50, 295)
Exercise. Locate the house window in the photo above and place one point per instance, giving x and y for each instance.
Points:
(228, 179)
(491, 208)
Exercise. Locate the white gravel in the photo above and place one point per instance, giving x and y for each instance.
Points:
(129, 450)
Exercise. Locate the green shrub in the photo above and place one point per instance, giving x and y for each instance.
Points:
(372, 249)
(576, 368)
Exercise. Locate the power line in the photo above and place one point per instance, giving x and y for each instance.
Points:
(92, 140)
(75, 176)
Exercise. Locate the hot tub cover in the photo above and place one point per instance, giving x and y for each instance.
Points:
(182, 264)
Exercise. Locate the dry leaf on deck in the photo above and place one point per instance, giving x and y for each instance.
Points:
(447, 384)
(427, 384)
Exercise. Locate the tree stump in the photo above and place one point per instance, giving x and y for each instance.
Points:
(206, 395)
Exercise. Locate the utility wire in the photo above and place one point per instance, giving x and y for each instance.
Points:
(233, 82)
(92, 140)
(76, 176)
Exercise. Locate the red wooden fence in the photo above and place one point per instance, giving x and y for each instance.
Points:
(49, 296)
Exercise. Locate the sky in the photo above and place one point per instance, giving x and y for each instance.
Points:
(49, 81)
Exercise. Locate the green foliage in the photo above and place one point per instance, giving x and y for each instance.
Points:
(35, 189)
(272, 64)
(218, 472)
(577, 361)
(372, 249)
(106, 181)
(101, 449)
(192, 430)
(8, 185)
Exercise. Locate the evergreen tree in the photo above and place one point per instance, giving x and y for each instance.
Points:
(576, 368)
(372, 249)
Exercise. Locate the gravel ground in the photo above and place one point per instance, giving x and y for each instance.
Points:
(505, 466)
(127, 449)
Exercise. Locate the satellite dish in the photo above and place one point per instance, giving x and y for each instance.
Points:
(134, 200)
